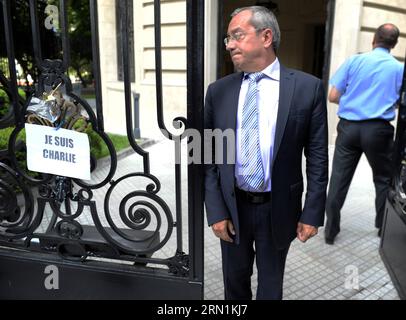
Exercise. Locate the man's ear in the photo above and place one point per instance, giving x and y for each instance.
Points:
(268, 38)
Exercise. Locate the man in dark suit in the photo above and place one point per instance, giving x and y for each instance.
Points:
(255, 204)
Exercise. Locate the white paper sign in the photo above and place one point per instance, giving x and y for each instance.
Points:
(60, 152)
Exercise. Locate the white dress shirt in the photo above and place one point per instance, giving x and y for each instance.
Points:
(268, 90)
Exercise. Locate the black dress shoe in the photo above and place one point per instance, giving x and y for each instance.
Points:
(379, 232)
(329, 241)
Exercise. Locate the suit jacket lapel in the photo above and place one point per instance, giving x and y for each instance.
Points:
(233, 94)
(286, 89)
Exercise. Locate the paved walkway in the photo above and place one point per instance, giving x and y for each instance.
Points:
(314, 270)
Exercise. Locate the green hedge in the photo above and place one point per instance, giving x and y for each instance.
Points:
(4, 136)
(5, 101)
(20, 155)
(97, 146)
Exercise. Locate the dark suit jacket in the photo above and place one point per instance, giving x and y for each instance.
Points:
(301, 126)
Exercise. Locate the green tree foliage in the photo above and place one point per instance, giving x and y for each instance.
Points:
(22, 32)
(51, 44)
(80, 40)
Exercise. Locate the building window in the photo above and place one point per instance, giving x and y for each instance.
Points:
(120, 12)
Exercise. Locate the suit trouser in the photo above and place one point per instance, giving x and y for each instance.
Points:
(375, 139)
(255, 228)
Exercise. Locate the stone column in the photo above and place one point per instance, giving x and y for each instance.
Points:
(347, 27)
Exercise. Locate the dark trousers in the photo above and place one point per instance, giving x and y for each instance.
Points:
(255, 229)
(375, 139)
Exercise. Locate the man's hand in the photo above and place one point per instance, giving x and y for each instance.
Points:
(305, 232)
(223, 229)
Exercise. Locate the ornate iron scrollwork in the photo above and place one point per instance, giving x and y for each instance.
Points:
(138, 216)
(179, 264)
(139, 210)
(17, 219)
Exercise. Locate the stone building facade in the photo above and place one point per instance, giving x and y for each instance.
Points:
(317, 36)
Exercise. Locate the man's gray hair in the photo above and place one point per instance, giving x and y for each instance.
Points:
(261, 19)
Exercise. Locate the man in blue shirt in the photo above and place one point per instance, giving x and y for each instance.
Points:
(366, 87)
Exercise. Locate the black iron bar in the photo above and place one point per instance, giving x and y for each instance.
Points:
(127, 84)
(158, 69)
(8, 28)
(161, 124)
(195, 105)
(178, 195)
(158, 63)
(36, 38)
(94, 20)
(220, 43)
(328, 40)
(65, 35)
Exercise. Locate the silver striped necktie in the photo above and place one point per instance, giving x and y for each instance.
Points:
(253, 171)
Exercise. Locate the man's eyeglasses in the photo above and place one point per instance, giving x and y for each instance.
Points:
(237, 36)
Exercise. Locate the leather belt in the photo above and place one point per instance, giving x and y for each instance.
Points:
(254, 197)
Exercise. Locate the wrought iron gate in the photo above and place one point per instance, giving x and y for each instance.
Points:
(393, 242)
(104, 259)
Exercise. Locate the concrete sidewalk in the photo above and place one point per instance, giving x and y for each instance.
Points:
(314, 270)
